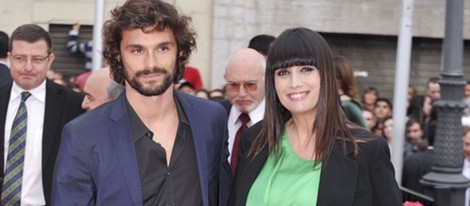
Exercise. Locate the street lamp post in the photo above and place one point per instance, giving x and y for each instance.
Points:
(446, 175)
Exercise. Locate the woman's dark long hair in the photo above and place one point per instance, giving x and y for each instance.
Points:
(345, 73)
(295, 47)
(415, 109)
(149, 16)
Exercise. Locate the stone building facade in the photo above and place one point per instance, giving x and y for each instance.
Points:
(365, 31)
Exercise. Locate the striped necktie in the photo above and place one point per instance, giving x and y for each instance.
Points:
(13, 175)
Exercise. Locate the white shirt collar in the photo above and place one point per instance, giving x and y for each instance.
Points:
(255, 116)
(38, 93)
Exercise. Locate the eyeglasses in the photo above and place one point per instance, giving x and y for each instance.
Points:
(21, 59)
(249, 86)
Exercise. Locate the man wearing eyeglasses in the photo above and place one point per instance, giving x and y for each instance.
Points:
(244, 76)
(32, 113)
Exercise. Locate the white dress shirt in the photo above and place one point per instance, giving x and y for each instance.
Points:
(233, 124)
(32, 188)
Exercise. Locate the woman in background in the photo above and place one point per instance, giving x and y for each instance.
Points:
(307, 152)
(369, 97)
(347, 90)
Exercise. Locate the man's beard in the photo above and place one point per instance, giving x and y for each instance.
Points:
(152, 89)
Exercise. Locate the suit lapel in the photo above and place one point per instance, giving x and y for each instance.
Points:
(199, 137)
(250, 172)
(54, 103)
(338, 178)
(121, 137)
(4, 99)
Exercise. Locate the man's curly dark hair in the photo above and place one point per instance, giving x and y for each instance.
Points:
(149, 16)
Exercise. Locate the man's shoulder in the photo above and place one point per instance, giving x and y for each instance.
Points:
(5, 76)
(59, 89)
(98, 117)
(199, 103)
(4, 67)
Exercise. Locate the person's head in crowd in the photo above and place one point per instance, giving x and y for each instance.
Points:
(244, 76)
(30, 55)
(427, 106)
(466, 92)
(388, 129)
(217, 94)
(421, 145)
(56, 76)
(261, 43)
(383, 108)
(414, 131)
(50, 74)
(378, 127)
(369, 97)
(99, 89)
(202, 93)
(186, 87)
(120, 32)
(466, 142)
(345, 80)
(420, 108)
(411, 93)
(433, 89)
(4, 48)
(370, 118)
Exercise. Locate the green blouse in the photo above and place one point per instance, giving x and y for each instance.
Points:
(289, 181)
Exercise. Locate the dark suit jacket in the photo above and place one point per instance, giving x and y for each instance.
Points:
(62, 105)
(5, 75)
(97, 162)
(415, 166)
(344, 181)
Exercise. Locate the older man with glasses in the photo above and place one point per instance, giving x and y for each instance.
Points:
(244, 75)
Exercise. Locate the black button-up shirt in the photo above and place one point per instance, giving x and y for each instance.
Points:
(176, 184)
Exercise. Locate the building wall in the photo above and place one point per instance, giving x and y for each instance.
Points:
(66, 12)
(365, 22)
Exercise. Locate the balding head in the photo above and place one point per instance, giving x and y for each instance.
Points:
(99, 89)
(244, 75)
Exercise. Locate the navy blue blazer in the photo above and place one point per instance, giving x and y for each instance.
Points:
(97, 163)
(368, 181)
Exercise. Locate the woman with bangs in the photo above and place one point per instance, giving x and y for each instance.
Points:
(308, 153)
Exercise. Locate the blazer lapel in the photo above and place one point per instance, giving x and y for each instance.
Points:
(121, 137)
(54, 103)
(338, 178)
(247, 171)
(199, 137)
(253, 168)
(4, 99)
